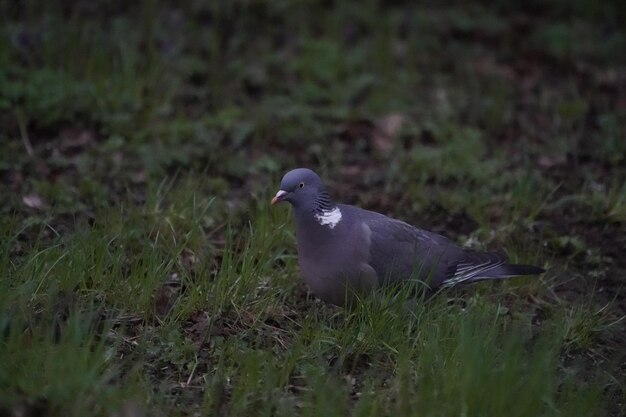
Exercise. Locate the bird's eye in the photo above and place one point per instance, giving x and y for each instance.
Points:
(301, 185)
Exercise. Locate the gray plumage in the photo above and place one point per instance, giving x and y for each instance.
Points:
(345, 250)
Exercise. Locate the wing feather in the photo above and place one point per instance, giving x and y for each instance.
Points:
(474, 266)
(399, 252)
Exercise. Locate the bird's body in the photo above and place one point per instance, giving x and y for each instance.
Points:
(344, 250)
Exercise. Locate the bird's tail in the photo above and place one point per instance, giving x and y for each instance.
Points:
(509, 270)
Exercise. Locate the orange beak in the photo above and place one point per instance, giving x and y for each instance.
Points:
(278, 197)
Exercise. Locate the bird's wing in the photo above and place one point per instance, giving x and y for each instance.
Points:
(399, 251)
(472, 266)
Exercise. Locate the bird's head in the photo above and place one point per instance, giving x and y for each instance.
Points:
(301, 187)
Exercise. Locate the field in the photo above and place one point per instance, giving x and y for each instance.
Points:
(144, 273)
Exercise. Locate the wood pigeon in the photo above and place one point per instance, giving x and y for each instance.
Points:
(346, 252)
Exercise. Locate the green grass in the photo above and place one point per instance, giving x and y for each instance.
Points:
(142, 271)
(121, 310)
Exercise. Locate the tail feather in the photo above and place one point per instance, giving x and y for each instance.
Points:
(509, 270)
(484, 266)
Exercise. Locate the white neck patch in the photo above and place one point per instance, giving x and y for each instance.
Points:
(330, 218)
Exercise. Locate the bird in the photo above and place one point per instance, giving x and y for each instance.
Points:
(346, 253)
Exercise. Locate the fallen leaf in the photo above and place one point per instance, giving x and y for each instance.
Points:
(387, 128)
(76, 138)
(138, 177)
(380, 134)
(33, 200)
(351, 171)
(391, 124)
(549, 161)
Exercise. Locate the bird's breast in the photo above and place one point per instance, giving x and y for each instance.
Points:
(331, 260)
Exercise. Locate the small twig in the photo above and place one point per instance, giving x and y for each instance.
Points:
(195, 365)
(21, 123)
